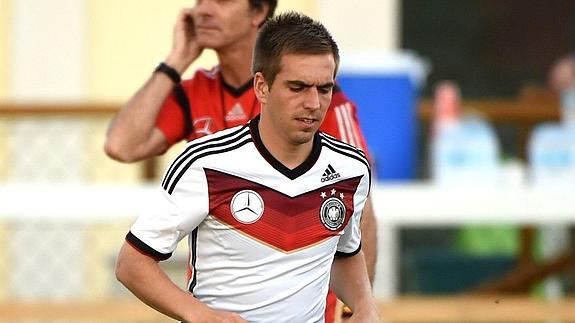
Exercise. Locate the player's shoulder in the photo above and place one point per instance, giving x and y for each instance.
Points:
(222, 138)
(345, 150)
(216, 144)
(208, 149)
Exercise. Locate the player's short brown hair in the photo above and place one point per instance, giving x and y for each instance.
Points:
(290, 33)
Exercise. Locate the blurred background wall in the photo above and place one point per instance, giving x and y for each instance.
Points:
(101, 51)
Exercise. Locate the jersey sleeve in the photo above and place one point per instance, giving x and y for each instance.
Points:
(176, 212)
(171, 120)
(350, 241)
(342, 122)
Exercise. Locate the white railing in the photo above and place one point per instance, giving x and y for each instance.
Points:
(396, 206)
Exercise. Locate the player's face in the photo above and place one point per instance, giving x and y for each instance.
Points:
(299, 97)
(220, 23)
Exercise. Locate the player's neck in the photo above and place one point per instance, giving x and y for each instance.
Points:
(235, 64)
(289, 154)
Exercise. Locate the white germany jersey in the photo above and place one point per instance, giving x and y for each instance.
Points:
(262, 237)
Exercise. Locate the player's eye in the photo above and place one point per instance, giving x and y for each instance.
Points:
(296, 88)
(324, 89)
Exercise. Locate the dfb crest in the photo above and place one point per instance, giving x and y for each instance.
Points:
(332, 211)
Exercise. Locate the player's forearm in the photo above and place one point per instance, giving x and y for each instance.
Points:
(369, 239)
(130, 133)
(146, 280)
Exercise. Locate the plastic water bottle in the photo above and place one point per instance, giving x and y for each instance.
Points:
(467, 153)
(551, 157)
(464, 150)
(552, 148)
(443, 149)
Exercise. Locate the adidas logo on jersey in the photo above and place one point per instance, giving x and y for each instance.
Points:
(236, 113)
(329, 174)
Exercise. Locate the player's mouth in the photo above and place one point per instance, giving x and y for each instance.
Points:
(308, 121)
(307, 124)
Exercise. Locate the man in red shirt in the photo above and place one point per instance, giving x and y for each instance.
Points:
(156, 116)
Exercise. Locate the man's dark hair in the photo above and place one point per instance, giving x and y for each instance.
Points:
(258, 4)
(290, 33)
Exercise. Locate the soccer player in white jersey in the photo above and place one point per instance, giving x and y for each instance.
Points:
(271, 209)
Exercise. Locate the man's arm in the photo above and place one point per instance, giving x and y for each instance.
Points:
(143, 276)
(350, 283)
(369, 238)
(132, 135)
(342, 122)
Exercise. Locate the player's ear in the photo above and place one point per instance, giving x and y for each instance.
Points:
(261, 87)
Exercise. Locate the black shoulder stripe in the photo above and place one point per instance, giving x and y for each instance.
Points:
(353, 153)
(343, 145)
(200, 146)
(170, 188)
(144, 248)
(362, 159)
(185, 153)
(348, 254)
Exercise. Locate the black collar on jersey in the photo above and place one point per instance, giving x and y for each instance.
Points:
(289, 173)
(237, 92)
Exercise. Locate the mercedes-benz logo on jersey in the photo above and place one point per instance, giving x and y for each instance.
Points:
(332, 211)
(247, 206)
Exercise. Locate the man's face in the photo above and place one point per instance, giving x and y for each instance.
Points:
(297, 101)
(219, 23)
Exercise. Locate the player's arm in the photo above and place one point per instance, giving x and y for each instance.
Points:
(369, 239)
(342, 122)
(144, 277)
(349, 279)
(132, 135)
(350, 283)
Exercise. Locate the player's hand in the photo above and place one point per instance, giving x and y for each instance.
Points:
(185, 49)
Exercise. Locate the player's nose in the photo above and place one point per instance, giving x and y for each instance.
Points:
(312, 98)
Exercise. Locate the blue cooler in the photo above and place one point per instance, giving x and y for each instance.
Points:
(385, 87)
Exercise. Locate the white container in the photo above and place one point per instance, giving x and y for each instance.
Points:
(466, 152)
(552, 155)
